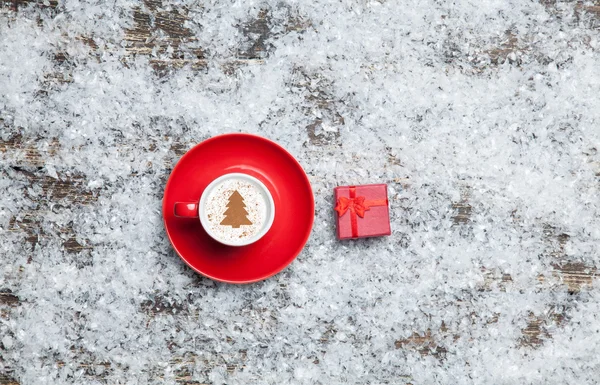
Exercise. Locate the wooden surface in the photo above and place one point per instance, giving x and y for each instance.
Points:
(158, 29)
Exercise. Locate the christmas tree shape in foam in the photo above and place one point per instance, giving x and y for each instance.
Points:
(236, 214)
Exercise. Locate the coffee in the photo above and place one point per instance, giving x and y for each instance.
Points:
(236, 210)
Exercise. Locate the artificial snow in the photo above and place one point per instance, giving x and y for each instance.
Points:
(491, 104)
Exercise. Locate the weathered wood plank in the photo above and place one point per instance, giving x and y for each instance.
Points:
(258, 32)
(424, 343)
(15, 5)
(462, 208)
(49, 193)
(537, 329)
(463, 212)
(508, 49)
(324, 130)
(155, 31)
(6, 379)
(591, 9)
(576, 275)
(7, 298)
(28, 152)
(495, 279)
(162, 305)
(66, 188)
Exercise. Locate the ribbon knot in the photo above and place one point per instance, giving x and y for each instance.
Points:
(356, 205)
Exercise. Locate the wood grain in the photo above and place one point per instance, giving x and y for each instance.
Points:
(27, 152)
(576, 275)
(538, 327)
(462, 208)
(51, 194)
(258, 31)
(495, 279)
(162, 305)
(158, 32)
(7, 298)
(15, 5)
(5, 379)
(8, 301)
(507, 50)
(426, 343)
(324, 130)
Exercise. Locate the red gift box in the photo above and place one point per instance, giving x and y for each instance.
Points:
(362, 211)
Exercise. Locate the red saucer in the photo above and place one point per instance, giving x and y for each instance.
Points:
(272, 165)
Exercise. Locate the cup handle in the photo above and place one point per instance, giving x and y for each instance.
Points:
(186, 209)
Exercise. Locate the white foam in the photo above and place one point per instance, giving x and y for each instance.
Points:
(254, 203)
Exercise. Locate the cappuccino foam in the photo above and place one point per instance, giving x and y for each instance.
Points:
(236, 210)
